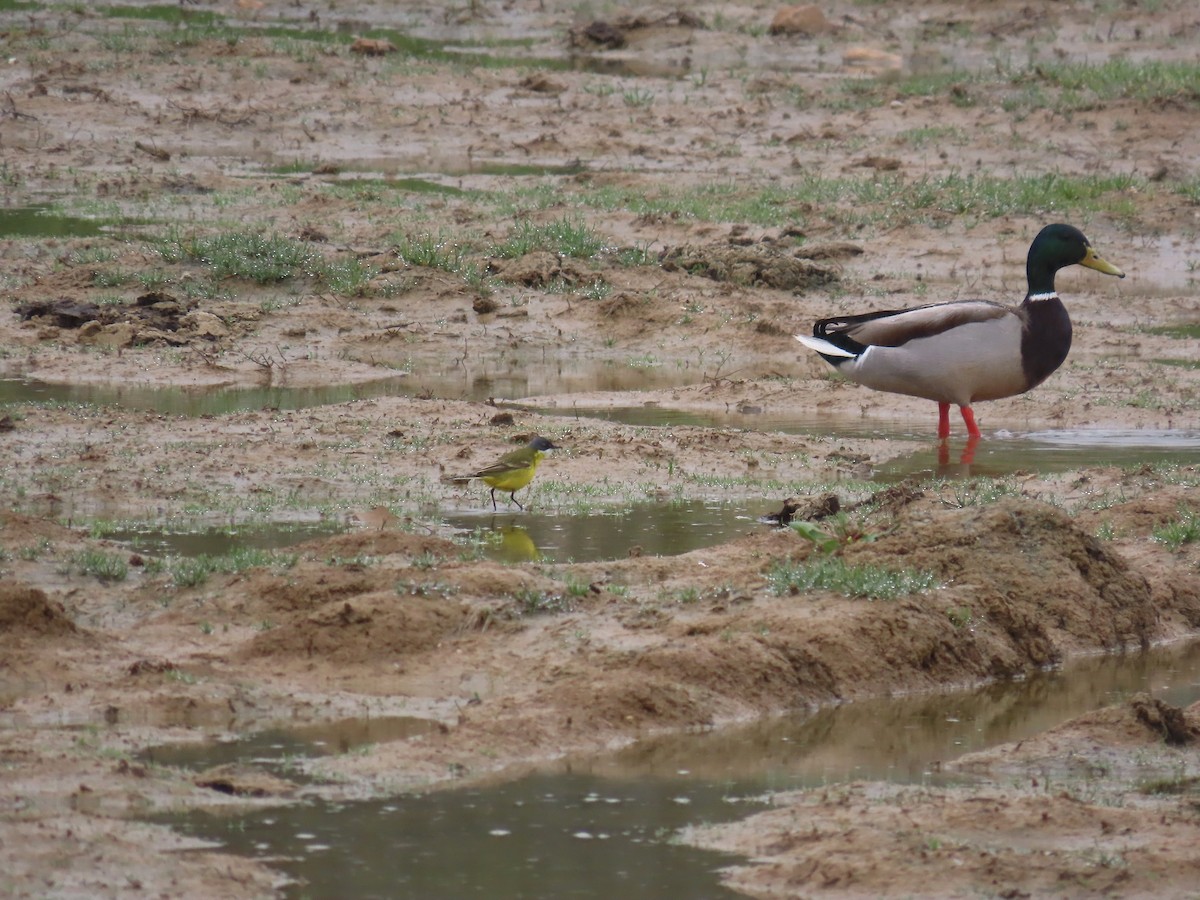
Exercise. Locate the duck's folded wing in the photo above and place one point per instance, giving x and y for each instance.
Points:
(894, 328)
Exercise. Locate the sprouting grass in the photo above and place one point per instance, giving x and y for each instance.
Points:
(111, 278)
(1063, 87)
(637, 97)
(1177, 532)
(105, 566)
(261, 258)
(979, 491)
(933, 134)
(1183, 331)
(536, 602)
(833, 573)
(566, 236)
(1122, 78)
(87, 255)
(1182, 784)
(347, 276)
(193, 571)
(434, 251)
(33, 552)
(430, 251)
(873, 198)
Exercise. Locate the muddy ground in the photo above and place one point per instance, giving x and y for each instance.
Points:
(678, 140)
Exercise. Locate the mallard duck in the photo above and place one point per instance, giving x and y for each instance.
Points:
(514, 470)
(965, 350)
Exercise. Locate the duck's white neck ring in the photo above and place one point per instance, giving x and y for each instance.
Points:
(1051, 295)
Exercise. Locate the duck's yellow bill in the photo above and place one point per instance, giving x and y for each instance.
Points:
(1092, 261)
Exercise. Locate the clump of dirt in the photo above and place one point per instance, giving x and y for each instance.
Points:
(378, 626)
(541, 270)
(241, 780)
(1026, 568)
(156, 310)
(1163, 720)
(629, 28)
(757, 265)
(27, 612)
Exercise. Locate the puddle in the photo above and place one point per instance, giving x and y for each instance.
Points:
(195, 401)
(1049, 452)
(602, 828)
(35, 221)
(753, 419)
(476, 376)
(157, 541)
(277, 747)
(655, 529)
(511, 536)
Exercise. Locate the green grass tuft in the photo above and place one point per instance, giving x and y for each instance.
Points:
(833, 573)
(1177, 532)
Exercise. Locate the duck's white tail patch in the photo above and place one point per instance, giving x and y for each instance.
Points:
(822, 346)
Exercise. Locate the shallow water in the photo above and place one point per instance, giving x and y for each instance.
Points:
(510, 535)
(1050, 452)
(506, 376)
(156, 541)
(34, 221)
(477, 375)
(649, 529)
(602, 827)
(275, 747)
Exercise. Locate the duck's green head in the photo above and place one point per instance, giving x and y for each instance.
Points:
(1056, 247)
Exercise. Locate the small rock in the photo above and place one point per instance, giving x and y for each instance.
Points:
(243, 781)
(870, 58)
(542, 84)
(372, 47)
(484, 305)
(204, 325)
(882, 163)
(119, 334)
(803, 20)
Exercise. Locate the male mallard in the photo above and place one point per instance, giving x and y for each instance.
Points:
(514, 470)
(964, 350)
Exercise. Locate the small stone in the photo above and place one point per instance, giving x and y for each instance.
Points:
(870, 58)
(803, 20)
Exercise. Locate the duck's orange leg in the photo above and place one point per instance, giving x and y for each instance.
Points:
(973, 435)
(969, 420)
(944, 421)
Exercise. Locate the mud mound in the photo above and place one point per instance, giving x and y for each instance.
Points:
(868, 840)
(152, 316)
(540, 270)
(378, 543)
(1025, 567)
(1022, 586)
(756, 265)
(18, 531)
(306, 588)
(1144, 724)
(26, 611)
(372, 629)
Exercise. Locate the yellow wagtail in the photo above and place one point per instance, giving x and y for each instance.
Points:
(514, 470)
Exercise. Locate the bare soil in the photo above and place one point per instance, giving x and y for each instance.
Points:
(397, 616)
